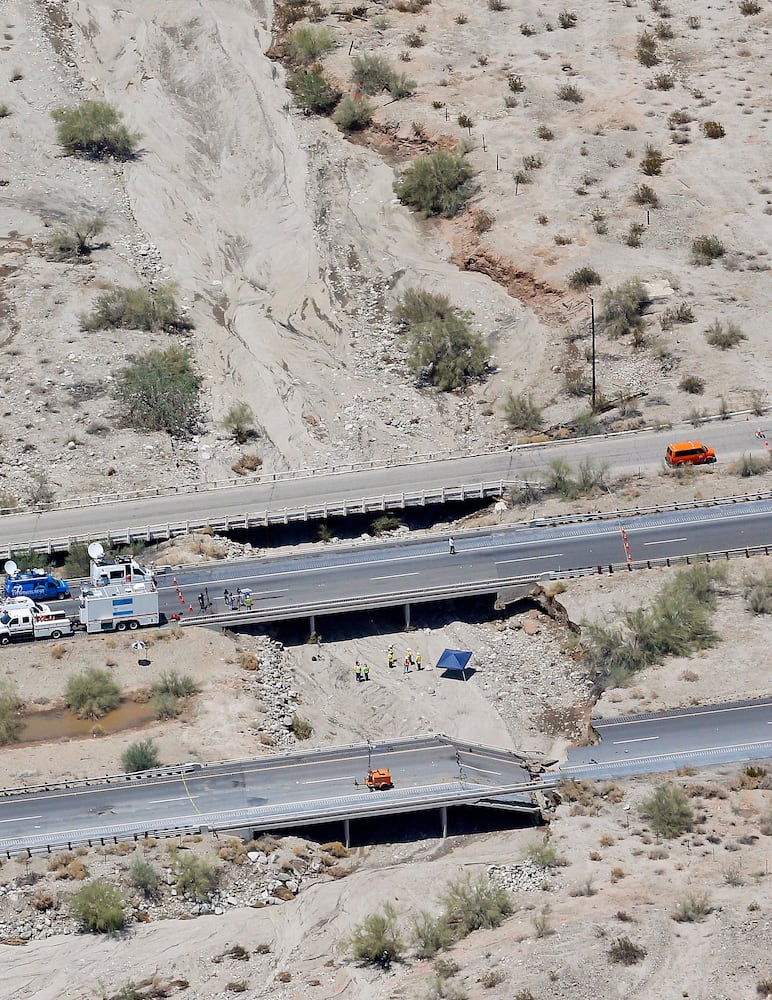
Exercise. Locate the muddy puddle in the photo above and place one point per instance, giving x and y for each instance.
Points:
(60, 723)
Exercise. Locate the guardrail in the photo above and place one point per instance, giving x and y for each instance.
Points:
(363, 505)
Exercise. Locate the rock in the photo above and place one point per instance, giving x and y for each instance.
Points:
(531, 627)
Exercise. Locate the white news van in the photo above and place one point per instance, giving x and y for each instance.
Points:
(118, 607)
(107, 571)
(38, 621)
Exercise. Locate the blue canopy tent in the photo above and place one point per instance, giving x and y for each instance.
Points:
(454, 661)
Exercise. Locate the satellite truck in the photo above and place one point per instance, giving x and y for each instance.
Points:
(121, 594)
(34, 583)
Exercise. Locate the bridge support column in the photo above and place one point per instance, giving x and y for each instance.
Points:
(312, 624)
(407, 617)
(346, 833)
(444, 821)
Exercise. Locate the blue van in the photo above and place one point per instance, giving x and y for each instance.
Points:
(37, 584)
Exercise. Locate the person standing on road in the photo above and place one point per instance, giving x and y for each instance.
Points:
(201, 603)
(357, 670)
(406, 668)
(365, 672)
(248, 602)
(451, 546)
(390, 655)
(206, 597)
(226, 596)
(418, 661)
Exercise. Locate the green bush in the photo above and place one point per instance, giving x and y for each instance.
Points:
(11, 724)
(143, 876)
(430, 934)
(138, 309)
(437, 184)
(692, 384)
(583, 278)
(567, 19)
(313, 92)
(570, 93)
(95, 129)
(724, 337)
(706, 249)
(78, 561)
(474, 903)
(305, 44)
(159, 391)
(378, 940)
(386, 522)
(678, 623)
(750, 465)
(401, 86)
(542, 854)
(757, 591)
(141, 756)
(749, 7)
(623, 309)
(194, 877)
(692, 909)
(239, 422)
(75, 241)
(646, 195)
(92, 694)
(652, 161)
(667, 811)
(5, 111)
(371, 74)
(166, 706)
(646, 49)
(353, 114)
(99, 907)
(179, 685)
(624, 952)
(521, 413)
(713, 130)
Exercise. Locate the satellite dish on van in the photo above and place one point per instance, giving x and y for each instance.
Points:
(10, 567)
(96, 550)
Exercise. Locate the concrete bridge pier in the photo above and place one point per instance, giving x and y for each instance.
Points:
(347, 833)
(444, 821)
(407, 617)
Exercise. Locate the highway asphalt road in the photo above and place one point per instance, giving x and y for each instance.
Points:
(283, 789)
(627, 453)
(482, 556)
(643, 744)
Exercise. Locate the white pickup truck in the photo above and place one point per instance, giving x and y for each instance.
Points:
(32, 621)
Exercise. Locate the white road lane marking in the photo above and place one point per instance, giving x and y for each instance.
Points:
(322, 781)
(178, 798)
(19, 819)
(394, 576)
(549, 555)
(641, 739)
(470, 767)
(666, 541)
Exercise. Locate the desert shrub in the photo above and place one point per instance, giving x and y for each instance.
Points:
(137, 309)
(706, 249)
(545, 133)
(305, 44)
(78, 561)
(679, 622)
(622, 308)
(239, 422)
(496, 5)
(442, 350)
(644, 194)
(95, 129)
(312, 91)
(166, 706)
(378, 940)
(634, 233)
(570, 93)
(667, 811)
(430, 934)
(414, 39)
(140, 756)
(624, 952)
(247, 462)
(521, 413)
(652, 161)
(646, 49)
(483, 221)
(567, 19)
(474, 903)
(194, 877)
(749, 7)
(11, 724)
(682, 313)
(692, 909)
(692, 384)
(750, 465)
(386, 522)
(401, 86)
(664, 81)
(713, 130)
(371, 74)
(179, 685)
(301, 728)
(724, 336)
(542, 854)
(515, 83)
(77, 240)
(143, 876)
(5, 111)
(353, 114)
(437, 184)
(664, 30)
(92, 694)
(159, 391)
(583, 278)
(465, 121)
(99, 907)
(757, 591)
